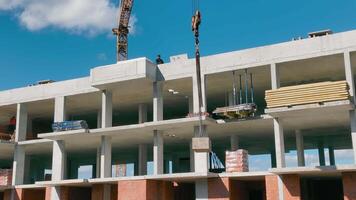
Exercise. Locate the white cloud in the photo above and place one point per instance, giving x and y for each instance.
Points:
(77, 16)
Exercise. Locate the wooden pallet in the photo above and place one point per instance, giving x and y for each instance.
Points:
(307, 94)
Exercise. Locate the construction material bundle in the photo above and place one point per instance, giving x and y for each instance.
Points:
(69, 125)
(307, 94)
(236, 161)
(5, 177)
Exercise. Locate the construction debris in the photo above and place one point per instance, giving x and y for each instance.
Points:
(236, 161)
(307, 94)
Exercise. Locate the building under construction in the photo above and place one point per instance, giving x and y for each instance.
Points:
(137, 127)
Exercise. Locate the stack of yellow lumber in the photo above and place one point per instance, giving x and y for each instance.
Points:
(307, 94)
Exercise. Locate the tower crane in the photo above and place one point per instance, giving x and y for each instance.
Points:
(122, 30)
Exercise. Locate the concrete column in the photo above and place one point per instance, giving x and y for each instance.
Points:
(231, 100)
(201, 159)
(331, 156)
(58, 160)
(105, 157)
(196, 95)
(273, 159)
(142, 159)
(234, 142)
(321, 154)
(349, 74)
(21, 122)
(157, 152)
(60, 114)
(275, 80)
(201, 190)
(191, 105)
(98, 153)
(191, 157)
(157, 101)
(279, 143)
(142, 113)
(99, 119)
(18, 170)
(300, 148)
(353, 131)
(106, 109)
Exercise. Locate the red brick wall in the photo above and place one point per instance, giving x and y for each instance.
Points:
(34, 194)
(97, 192)
(349, 184)
(271, 187)
(218, 188)
(291, 187)
(7, 194)
(144, 190)
(113, 192)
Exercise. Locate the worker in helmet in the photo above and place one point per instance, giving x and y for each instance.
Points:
(196, 20)
(159, 60)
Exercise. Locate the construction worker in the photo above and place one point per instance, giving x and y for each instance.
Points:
(159, 60)
(196, 20)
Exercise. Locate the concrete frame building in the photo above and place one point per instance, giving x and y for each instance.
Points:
(139, 142)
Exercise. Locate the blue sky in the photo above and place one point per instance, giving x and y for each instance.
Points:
(42, 44)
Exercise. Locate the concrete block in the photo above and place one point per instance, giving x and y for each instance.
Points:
(201, 144)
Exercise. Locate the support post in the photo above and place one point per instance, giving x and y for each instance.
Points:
(105, 157)
(201, 189)
(196, 94)
(350, 81)
(300, 148)
(98, 153)
(58, 160)
(99, 119)
(191, 157)
(60, 114)
(106, 109)
(234, 142)
(142, 113)
(142, 159)
(18, 170)
(275, 80)
(21, 122)
(279, 143)
(201, 150)
(157, 101)
(331, 156)
(321, 154)
(157, 152)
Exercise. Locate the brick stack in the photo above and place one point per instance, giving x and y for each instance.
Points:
(236, 161)
(5, 177)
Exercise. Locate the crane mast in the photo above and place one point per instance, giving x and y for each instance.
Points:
(122, 30)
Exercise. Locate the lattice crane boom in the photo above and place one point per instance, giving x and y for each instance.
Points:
(122, 30)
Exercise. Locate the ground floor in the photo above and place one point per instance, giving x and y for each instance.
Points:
(290, 186)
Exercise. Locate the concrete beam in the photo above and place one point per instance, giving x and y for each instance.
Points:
(21, 123)
(300, 148)
(106, 109)
(275, 80)
(279, 143)
(234, 142)
(142, 159)
(60, 114)
(105, 157)
(157, 101)
(158, 152)
(142, 113)
(18, 170)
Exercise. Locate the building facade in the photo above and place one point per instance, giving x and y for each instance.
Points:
(142, 119)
